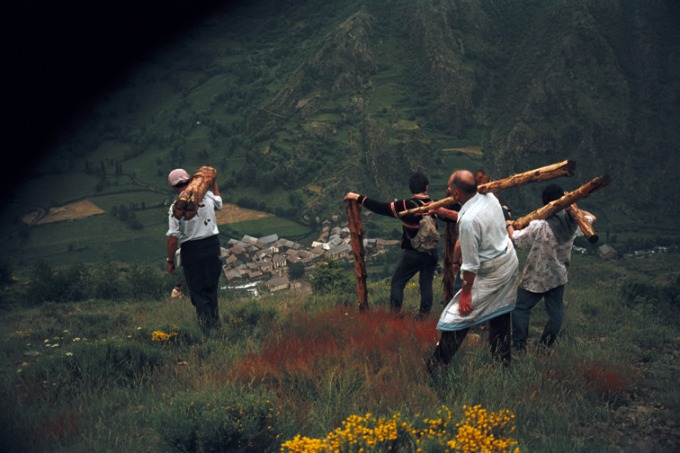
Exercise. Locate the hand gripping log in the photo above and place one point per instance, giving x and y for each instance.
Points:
(356, 230)
(565, 202)
(564, 168)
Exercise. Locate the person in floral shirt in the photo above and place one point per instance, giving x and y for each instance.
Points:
(545, 273)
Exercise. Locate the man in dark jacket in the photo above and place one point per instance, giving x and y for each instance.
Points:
(412, 261)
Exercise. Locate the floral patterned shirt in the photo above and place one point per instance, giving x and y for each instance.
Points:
(547, 263)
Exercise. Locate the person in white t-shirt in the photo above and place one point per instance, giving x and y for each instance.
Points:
(198, 240)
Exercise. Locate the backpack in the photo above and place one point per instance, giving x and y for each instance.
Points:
(427, 238)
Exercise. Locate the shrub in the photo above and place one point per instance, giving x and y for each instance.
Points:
(5, 274)
(672, 291)
(90, 366)
(231, 420)
(250, 318)
(146, 282)
(65, 285)
(332, 277)
(638, 293)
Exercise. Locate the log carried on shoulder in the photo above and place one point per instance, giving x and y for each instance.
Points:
(429, 206)
(565, 168)
(583, 224)
(187, 203)
(564, 202)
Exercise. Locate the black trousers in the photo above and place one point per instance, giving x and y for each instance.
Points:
(413, 262)
(499, 342)
(202, 269)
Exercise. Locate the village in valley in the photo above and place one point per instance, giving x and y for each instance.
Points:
(253, 262)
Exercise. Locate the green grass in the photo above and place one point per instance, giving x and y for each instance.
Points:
(88, 376)
(270, 225)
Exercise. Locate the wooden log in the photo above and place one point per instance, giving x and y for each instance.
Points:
(449, 277)
(585, 226)
(561, 203)
(564, 168)
(187, 203)
(428, 207)
(356, 230)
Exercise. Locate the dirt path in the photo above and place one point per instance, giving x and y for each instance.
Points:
(230, 213)
(72, 211)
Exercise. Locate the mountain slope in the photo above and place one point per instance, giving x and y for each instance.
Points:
(297, 103)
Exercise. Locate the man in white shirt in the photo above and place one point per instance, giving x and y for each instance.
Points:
(199, 245)
(489, 271)
(545, 273)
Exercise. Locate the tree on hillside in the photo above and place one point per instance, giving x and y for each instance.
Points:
(332, 277)
(296, 271)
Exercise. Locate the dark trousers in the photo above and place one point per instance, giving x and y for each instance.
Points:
(526, 300)
(411, 263)
(202, 269)
(499, 342)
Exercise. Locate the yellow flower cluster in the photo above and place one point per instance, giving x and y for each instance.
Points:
(360, 434)
(162, 337)
(481, 431)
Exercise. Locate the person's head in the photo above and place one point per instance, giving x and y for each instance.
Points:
(418, 183)
(551, 192)
(481, 177)
(462, 185)
(178, 179)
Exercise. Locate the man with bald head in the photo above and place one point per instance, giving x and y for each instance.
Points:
(489, 270)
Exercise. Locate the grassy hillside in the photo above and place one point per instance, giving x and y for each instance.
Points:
(136, 374)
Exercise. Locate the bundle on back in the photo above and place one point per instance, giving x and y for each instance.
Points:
(187, 203)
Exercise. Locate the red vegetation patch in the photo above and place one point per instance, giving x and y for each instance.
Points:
(310, 345)
(604, 379)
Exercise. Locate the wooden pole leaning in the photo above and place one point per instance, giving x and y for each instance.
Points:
(356, 230)
(563, 202)
(448, 276)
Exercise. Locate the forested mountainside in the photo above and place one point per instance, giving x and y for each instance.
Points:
(531, 82)
(297, 102)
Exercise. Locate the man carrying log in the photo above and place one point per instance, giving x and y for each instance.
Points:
(413, 260)
(545, 273)
(489, 273)
(194, 231)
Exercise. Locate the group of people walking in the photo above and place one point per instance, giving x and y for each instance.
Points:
(484, 256)
(488, 289)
